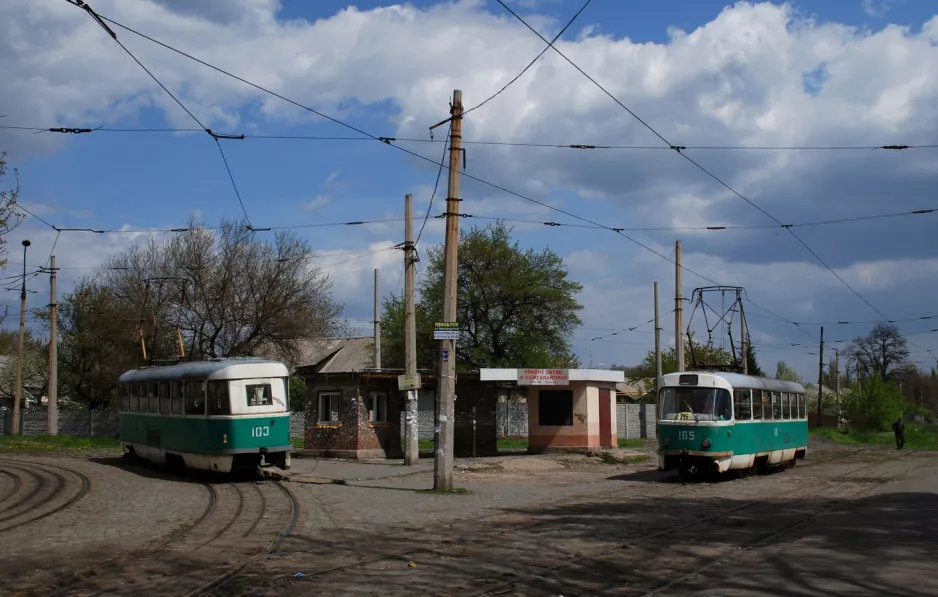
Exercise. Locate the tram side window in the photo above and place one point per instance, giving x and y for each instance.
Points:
(143, 405)
(123, 398)
(259, 394)
(218, 403)
(195, 397)
(176, 397)
(742, 404)
(786, 405)
(757, 397)
(164, 397)
(154, 397)
(802, 406)
(776, 406)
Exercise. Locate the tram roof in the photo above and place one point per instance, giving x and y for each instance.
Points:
(212, 369)
(738, 380)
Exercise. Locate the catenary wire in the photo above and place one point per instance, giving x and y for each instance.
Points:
(544, 145)
(695, 163)
(530, 64)
(414, 154)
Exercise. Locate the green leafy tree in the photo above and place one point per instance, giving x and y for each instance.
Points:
(297, 394)
(35, 364)
(874, 405)
(517, 308)
(752, 366)
(783, 371)
(646, 372)
(98, 341)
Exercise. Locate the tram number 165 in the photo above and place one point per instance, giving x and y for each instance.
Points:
(262, 431)
(685, 434)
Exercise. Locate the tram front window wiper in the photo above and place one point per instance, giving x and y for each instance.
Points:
(691, 409)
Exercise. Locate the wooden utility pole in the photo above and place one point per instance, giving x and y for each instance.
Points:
(411, 447)
(678, 309)
(18, 390)
(443, 460)
(377, 325)
(820, 377)
(53, 357)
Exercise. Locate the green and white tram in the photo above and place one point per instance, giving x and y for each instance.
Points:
(712, 422)
(220, 415)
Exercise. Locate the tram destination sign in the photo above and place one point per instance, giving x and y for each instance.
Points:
(543, 377)
(446, 331)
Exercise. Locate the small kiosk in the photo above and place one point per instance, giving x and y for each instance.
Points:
(567, 408)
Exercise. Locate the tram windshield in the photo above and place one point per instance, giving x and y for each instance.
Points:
(697, 404)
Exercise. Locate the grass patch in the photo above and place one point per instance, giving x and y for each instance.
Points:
(454, 491)
(513, 444)
(56, 443)
(631, 443)
(299, 443)
(917, 437)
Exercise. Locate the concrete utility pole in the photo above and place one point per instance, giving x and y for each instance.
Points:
(678, 309)
(53, 360)
(377, 325)
(411, 447)
(657, 345)
(820, 377)
(443, 460)
(837, 376)
(18, 390)
(744, 333)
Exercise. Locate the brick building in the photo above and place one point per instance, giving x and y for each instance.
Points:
(354, 410)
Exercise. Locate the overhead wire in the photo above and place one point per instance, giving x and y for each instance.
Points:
(692, 161)
(530, 64)
(100, 20)
(387, 141)
(541, 145)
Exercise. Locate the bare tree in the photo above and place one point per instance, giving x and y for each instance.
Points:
(881, 353)
(229, 292)
(10, 218)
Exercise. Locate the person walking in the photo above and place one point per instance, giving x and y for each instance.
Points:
(899, 429)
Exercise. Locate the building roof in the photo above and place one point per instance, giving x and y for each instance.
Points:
(337, 355)
(629, 389)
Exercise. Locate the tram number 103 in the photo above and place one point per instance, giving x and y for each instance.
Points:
(685, 434)
(262, 431)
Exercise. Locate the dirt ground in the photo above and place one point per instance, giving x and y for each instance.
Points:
(520, 525)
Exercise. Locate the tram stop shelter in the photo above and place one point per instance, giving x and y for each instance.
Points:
(567, 408)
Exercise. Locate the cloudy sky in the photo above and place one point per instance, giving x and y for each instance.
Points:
(786, 82)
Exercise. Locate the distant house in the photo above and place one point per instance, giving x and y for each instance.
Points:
(626, 392)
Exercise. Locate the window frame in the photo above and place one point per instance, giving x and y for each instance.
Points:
(214, 397)
(332, 395)
(378, 397)
(737, 394)
(248, 394)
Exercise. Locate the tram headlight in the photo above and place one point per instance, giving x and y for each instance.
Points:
(705, 443)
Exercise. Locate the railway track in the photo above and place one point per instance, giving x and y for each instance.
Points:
(47, 491)
(233, 531)
(648, 491)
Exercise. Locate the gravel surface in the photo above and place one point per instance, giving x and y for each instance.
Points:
(384, 533)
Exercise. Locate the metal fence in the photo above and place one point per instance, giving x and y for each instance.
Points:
(632, 421)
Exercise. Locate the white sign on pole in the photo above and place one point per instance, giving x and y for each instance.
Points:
(543, 377)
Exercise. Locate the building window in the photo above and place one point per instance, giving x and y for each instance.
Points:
(378, 411)
(555, 408)
(259, 394)
(329, 407)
